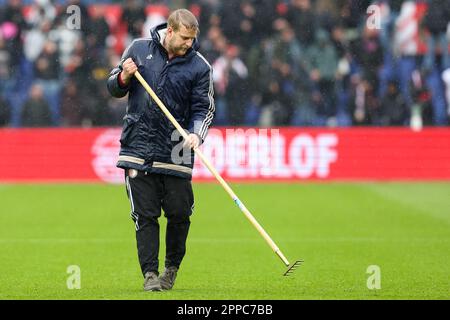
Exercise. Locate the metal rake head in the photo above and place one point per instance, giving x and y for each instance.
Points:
(293, 267)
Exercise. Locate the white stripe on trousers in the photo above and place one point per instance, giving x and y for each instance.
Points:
(134, 216)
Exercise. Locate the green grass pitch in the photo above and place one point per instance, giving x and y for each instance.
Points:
(338, 229)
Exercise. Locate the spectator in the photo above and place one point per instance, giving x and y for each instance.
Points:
(12, 12)
(364, 105)
(287, 50)
(134, 17)
(213, 44)
(230, 74)
(288, 72)
(46, 64)
(35, 39)
(259, 64)
(353, 12)
(230, 23)
(303, 20)
(410, 49)
(394, 111)
(12, 24)
(79, 67)
(47, 69)
(343, 74)
(368, 54)
(73, 108)
(36, 111)
(436, 22)
(98, 29)
(40, 11)
(392, 10)
(265, 15)
(238, 23)
(284, 87)
(66, 40)
(5, 112)
(446, 79)
(421, 112)
(209, 12)
(327, 14)
(5, 71)
(321, 61)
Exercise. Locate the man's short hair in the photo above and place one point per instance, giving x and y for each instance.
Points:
(183, 17)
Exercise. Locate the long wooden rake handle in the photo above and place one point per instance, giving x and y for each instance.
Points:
(213, 170)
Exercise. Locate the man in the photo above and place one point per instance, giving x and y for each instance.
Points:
(158, 168)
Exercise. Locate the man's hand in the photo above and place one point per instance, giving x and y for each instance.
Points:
(128, 70)
(193, 141)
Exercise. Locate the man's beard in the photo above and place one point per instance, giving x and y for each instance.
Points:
(180, 50)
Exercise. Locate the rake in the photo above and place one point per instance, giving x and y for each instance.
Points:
(262, 232)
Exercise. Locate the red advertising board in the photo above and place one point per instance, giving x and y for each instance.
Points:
(239, 154)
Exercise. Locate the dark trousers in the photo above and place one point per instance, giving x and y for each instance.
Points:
(148, 194)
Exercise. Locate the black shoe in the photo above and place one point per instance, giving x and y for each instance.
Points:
(167, 278)
(151, 282)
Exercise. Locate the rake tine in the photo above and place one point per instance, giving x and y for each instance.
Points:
(293, 268)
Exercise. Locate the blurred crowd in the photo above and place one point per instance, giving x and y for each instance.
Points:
(276, 62)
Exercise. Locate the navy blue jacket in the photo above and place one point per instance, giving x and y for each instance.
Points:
(149, 142)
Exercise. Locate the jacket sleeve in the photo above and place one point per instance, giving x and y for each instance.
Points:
(113, 82)
(202, 104)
